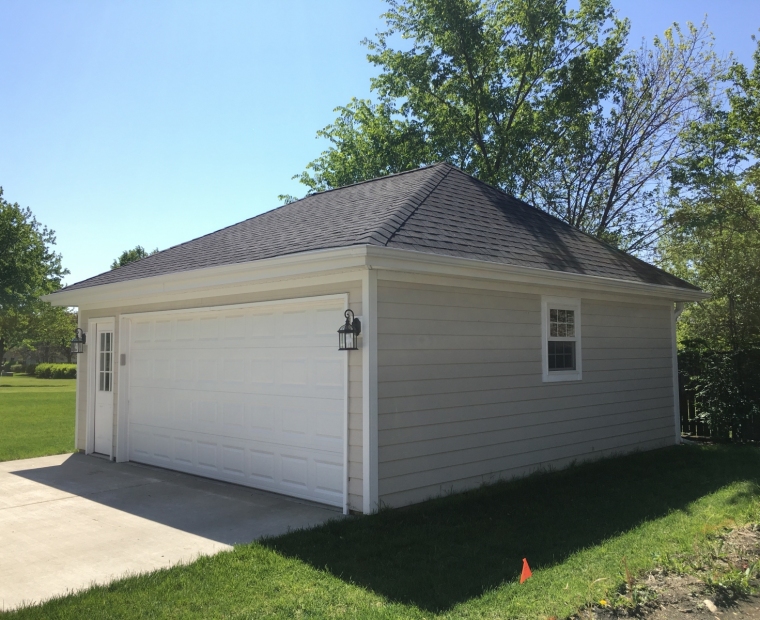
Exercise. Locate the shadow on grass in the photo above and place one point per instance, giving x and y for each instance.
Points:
(10, 385)
(448, 550)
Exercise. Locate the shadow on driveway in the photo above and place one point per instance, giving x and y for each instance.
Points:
(225, 513)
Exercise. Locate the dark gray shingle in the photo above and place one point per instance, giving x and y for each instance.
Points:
(437, 210)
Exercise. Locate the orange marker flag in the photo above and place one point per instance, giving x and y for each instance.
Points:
(525, 572)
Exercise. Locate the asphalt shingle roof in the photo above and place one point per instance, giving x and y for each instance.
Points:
(436, 210)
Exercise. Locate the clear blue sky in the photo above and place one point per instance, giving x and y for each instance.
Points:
(151, 123)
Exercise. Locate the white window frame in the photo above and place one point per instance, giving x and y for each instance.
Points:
(561, 303)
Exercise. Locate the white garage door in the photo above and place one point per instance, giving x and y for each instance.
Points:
(253, 395)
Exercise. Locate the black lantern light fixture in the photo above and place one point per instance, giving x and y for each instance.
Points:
(348, 334)
(77, 344)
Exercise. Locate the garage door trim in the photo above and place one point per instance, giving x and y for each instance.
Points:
(123, 340)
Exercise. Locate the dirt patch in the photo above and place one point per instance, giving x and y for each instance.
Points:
(721, 581)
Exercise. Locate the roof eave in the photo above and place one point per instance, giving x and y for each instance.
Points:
(423, 262)
(213, 280)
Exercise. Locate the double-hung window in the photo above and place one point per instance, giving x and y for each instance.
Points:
(561, 338)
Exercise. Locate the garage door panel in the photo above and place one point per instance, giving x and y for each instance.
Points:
(184, 450)
(284, 469)
(233, 460)
(250, 395)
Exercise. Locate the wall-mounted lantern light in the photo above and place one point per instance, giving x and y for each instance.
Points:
(348, 334)
(77, 344)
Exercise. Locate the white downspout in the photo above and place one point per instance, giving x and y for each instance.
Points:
(675, 313)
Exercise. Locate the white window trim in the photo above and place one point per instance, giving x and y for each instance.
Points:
(561, 303)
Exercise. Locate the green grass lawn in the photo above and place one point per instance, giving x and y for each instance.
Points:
(36, 416)
(460, 556)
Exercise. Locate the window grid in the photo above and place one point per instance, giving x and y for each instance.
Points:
(105, 378)
(561, 323)
(561, 355)
(561, 341)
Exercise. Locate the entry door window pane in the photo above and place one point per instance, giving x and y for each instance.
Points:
(105, 371)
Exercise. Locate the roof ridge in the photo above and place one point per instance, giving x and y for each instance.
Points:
(381, 178)
(446, 170)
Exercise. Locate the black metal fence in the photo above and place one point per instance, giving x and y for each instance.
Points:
(720, 394)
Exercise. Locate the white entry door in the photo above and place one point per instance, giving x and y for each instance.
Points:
(250, 394)
(103, 422)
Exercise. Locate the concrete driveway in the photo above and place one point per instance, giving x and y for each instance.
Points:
(72, 520)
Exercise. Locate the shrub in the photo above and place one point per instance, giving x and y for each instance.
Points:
(30, 368)
(56, 371)
(17, 368)
(726, 389)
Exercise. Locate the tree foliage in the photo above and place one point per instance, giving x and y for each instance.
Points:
(715, 236)
(608, 174)
(367, 141)
(130, 256)
(535, 98)
(28, 268)
(28, 265)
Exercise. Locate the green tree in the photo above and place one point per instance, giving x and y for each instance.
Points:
(28, 268)
(28, 265)
(368, 140)
(14, 329)
(610, 169)
(50, 332)
(715, 236)
(488, 85)
(532, 97)
(130, 256)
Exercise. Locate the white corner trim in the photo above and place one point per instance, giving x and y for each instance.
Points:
(346, 418)
(122, 385)
(369, 392)
(675, 313)
(564, 303)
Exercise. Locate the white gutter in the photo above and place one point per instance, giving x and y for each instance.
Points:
(675, 314)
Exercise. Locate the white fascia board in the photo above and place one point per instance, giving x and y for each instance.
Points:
(210, 281)
(392, 259)
(339, 263)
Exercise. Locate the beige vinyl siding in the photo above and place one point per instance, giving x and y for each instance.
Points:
(353, 288)
(461, 396)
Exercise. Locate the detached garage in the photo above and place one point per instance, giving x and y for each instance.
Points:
(494, 340)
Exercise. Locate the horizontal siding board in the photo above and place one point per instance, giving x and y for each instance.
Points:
(451, 297)
(565, 394)
(490, 468)
(461, 394)
(526, 411)
(626, 333)
(600, 353)
(453, 385)
(459, 314)
(416, 494)
(581, 428)
(611, 344)
(421, 357)
(410, 372)
(523, 440)
(406, 327)
(587, 416)
(428, 342)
